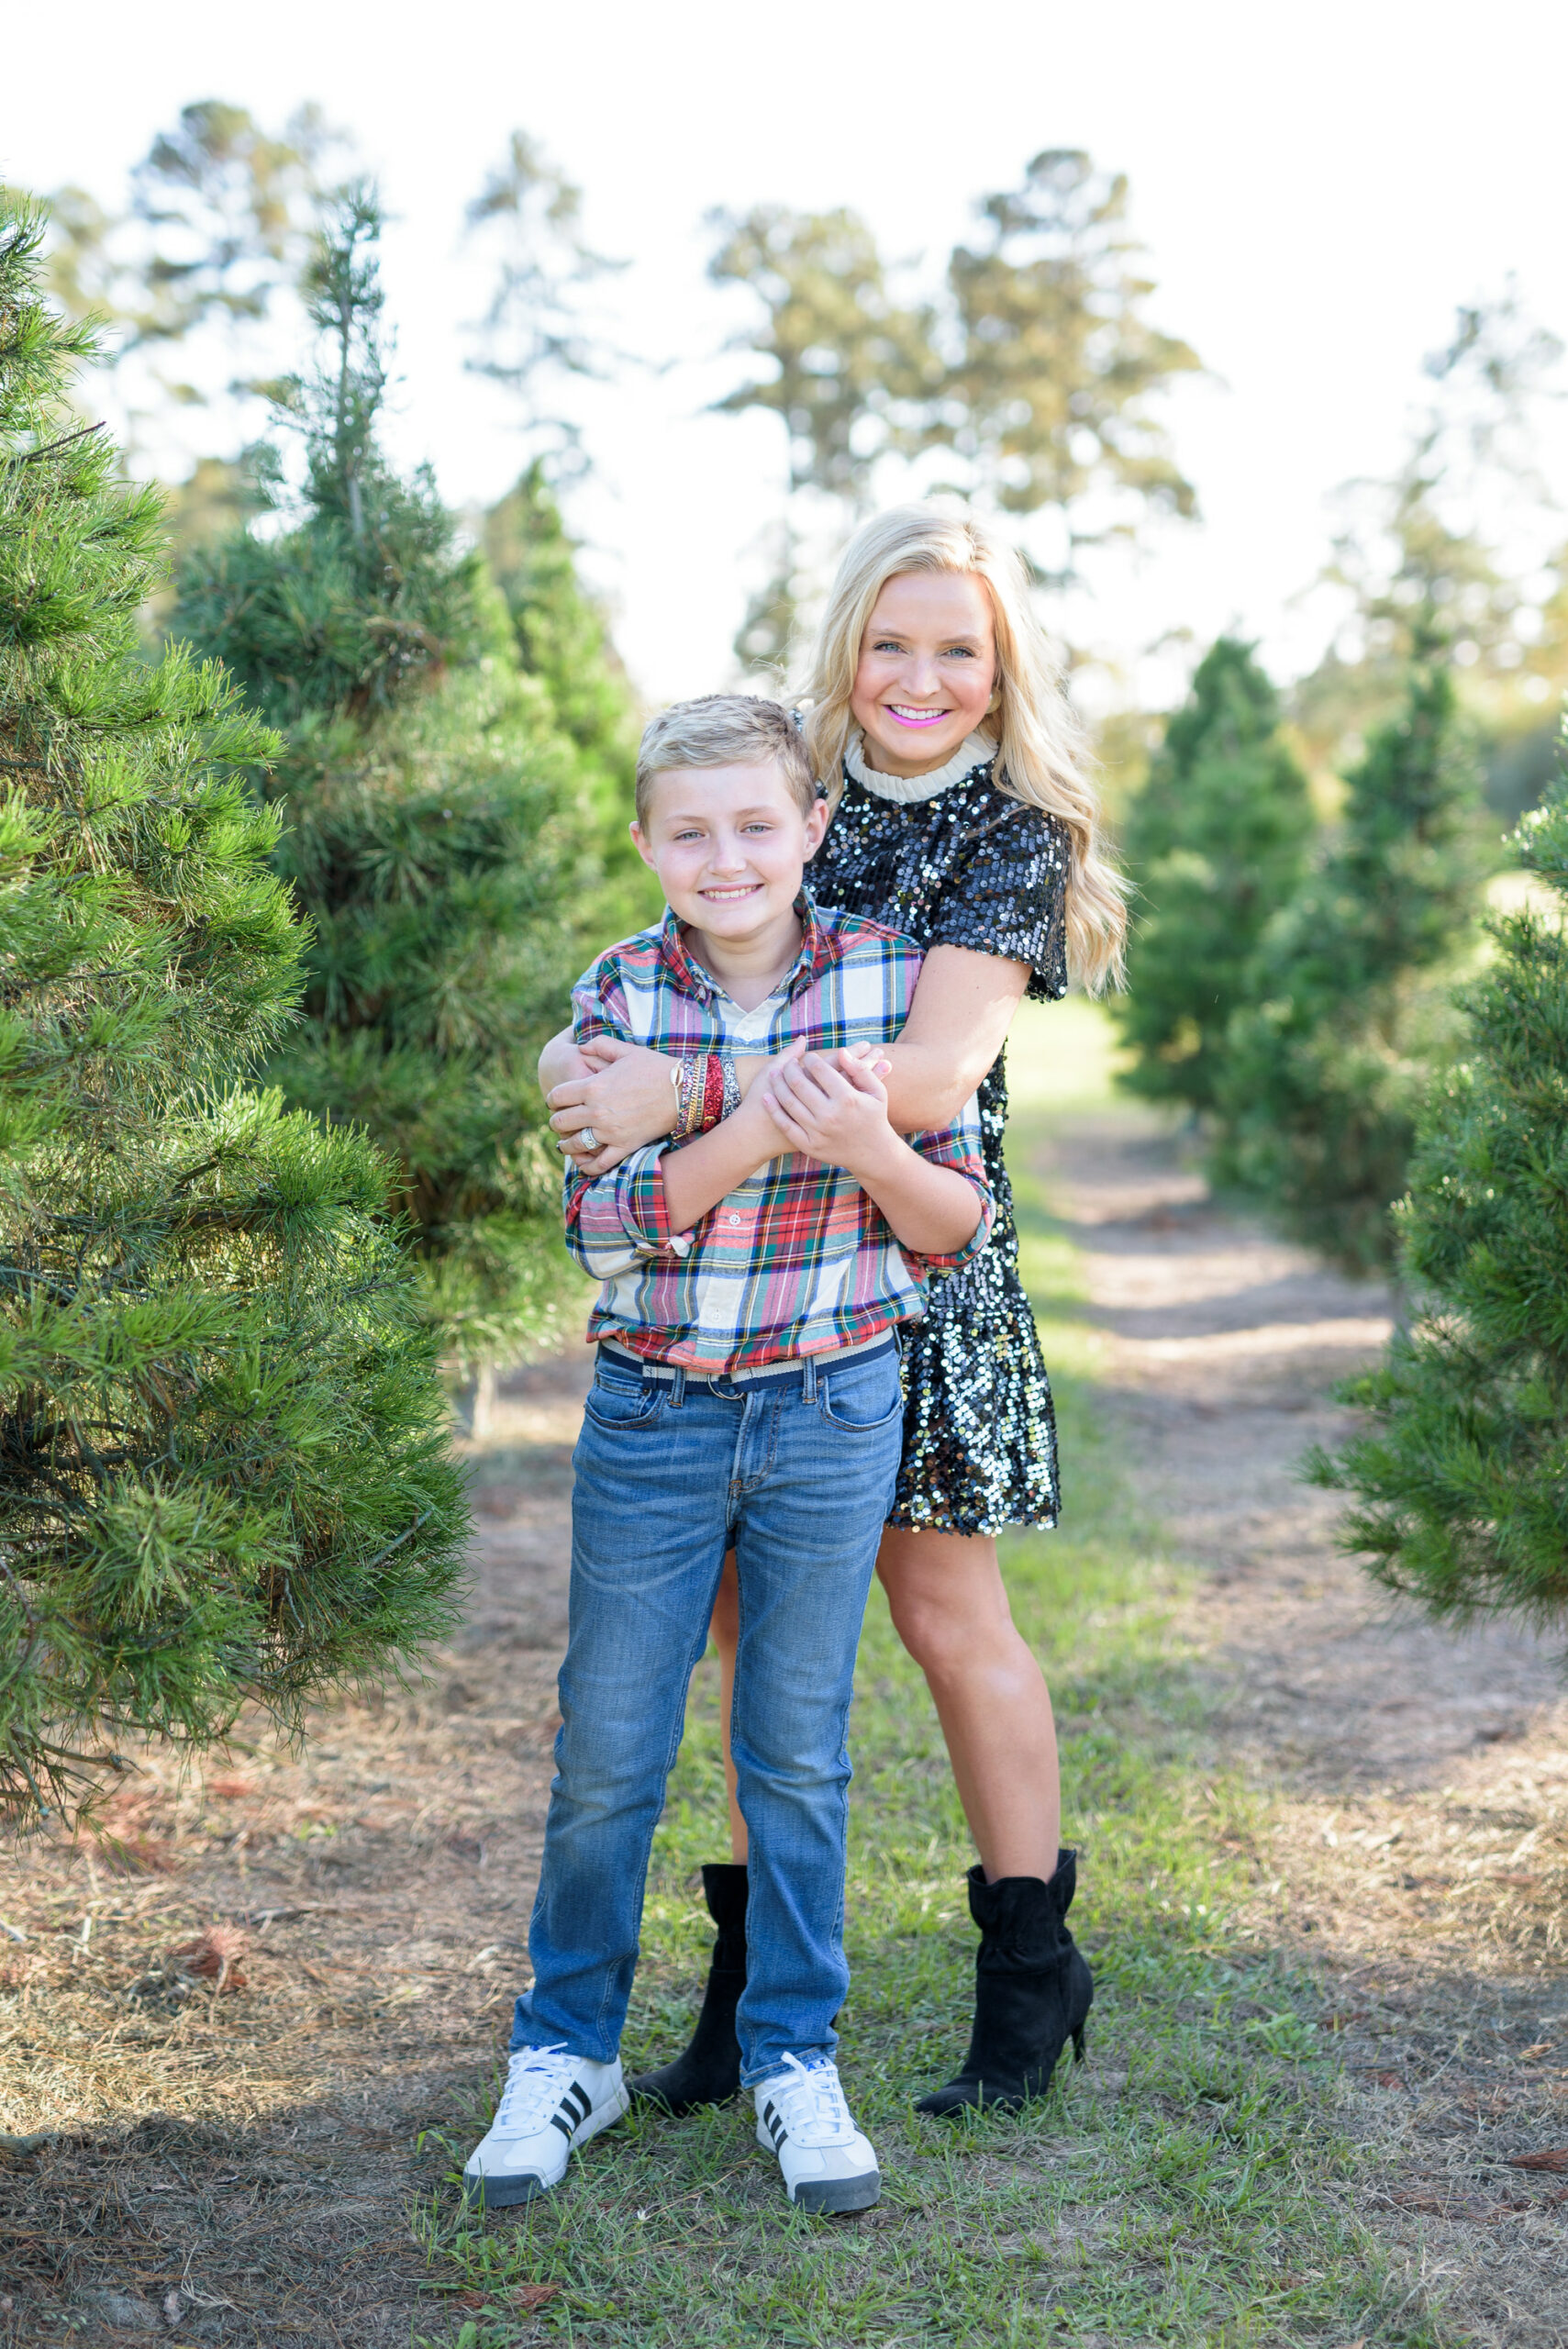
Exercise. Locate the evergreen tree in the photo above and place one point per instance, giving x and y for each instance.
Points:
(1325, 1064)
(1215, 841)
(224, 1471)
(562, 642)
(433, 831)
(1463, 1497)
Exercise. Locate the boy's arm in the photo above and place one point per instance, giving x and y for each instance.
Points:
(652, 1199)
(936, 1201)
(962, 1007)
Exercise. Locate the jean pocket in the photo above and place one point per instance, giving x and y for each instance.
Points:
(862, 1396)
(615, 1401)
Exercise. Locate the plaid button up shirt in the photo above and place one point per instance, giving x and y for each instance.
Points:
(797, 1260)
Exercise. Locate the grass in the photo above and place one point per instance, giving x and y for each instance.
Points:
(1191, 2184)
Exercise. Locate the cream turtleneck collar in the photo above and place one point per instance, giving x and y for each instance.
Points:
(974, 751)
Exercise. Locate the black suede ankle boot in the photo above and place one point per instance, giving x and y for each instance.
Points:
(708, 2071)
(1032, 1991)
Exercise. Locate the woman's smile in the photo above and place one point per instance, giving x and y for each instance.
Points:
(906, 716)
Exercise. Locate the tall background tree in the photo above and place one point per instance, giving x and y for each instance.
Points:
(1216, 842)
(537, 334)
(1030, 380)
(1457, 1478)
(436, 828)
(224, 1470)
(1347, 1002)
(191, 276)
(1462, 544)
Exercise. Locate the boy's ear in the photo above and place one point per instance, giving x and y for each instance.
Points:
(816, 825)
(641, 844)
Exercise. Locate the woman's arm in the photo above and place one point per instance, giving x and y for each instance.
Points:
(622, 1090)
(958, 1023)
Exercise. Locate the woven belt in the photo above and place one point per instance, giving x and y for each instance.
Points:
(816, 1364)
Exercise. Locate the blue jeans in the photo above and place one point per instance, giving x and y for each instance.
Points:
(798, 1472)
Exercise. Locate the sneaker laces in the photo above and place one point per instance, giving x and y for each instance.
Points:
(537, 2078)
(810, 2102)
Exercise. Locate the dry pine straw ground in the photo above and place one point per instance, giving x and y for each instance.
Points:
(236, 2125)
(1415, 1847)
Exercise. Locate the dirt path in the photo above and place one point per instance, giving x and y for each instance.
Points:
(1419, 1845)
(253, 2154)
(236, 2158)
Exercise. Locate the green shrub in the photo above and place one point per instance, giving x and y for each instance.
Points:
(224, 1467)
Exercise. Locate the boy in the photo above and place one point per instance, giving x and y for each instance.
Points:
(746, 1393)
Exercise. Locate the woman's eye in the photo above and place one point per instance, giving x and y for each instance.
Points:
(958, 653)
(888, 645)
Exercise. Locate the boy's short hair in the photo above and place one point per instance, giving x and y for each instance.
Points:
(724, 730)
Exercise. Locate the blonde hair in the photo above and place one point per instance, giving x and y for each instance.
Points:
(1039, 741)
(724, 730)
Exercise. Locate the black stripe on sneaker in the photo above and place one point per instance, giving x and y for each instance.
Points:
(567, 2128)
(586, 2102)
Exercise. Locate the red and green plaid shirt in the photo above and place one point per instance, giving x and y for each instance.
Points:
(797, 1260)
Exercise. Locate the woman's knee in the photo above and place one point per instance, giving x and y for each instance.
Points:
(948, 1603)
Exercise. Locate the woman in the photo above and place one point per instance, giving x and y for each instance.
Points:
(963, 818)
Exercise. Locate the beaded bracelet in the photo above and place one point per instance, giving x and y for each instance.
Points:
(689, 1077)
(713, 1109)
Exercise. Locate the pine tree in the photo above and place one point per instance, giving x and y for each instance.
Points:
(224, 1467)
(1347, 1007)
(1460, 1476)
(562, 641)
(1217, 844)
(433, 830)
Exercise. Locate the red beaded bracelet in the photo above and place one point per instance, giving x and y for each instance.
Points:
(712, 1093)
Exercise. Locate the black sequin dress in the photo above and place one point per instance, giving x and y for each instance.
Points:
(969, 867)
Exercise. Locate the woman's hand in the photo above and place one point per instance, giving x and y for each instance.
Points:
(625, 1095)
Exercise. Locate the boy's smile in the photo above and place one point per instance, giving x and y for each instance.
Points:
(729, 845)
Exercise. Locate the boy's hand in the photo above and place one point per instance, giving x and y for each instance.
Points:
(833, 1107)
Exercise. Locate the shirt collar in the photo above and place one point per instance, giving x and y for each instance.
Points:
(973, 753)
(817, 949)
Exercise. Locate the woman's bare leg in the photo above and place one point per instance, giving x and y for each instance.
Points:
(725, 1633)
(949, 1609)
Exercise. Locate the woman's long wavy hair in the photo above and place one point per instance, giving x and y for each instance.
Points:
(1036, 736)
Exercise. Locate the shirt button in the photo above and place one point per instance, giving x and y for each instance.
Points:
(734, 1218)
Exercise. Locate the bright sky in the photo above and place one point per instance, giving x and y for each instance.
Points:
(1318, 188)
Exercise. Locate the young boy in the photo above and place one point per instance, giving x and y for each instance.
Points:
(746, 1393)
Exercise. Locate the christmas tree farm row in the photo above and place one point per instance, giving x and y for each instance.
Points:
(284, 915)
(1310, 994)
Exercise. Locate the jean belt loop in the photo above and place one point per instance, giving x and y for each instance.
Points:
(678, 1387)
(811, 1381)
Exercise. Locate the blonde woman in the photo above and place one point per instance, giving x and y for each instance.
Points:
(962, 817)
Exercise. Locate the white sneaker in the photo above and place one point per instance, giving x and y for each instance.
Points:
(802, 2116)
(552, 2101)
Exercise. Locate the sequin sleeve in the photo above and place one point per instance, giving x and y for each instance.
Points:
(1009, 896)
